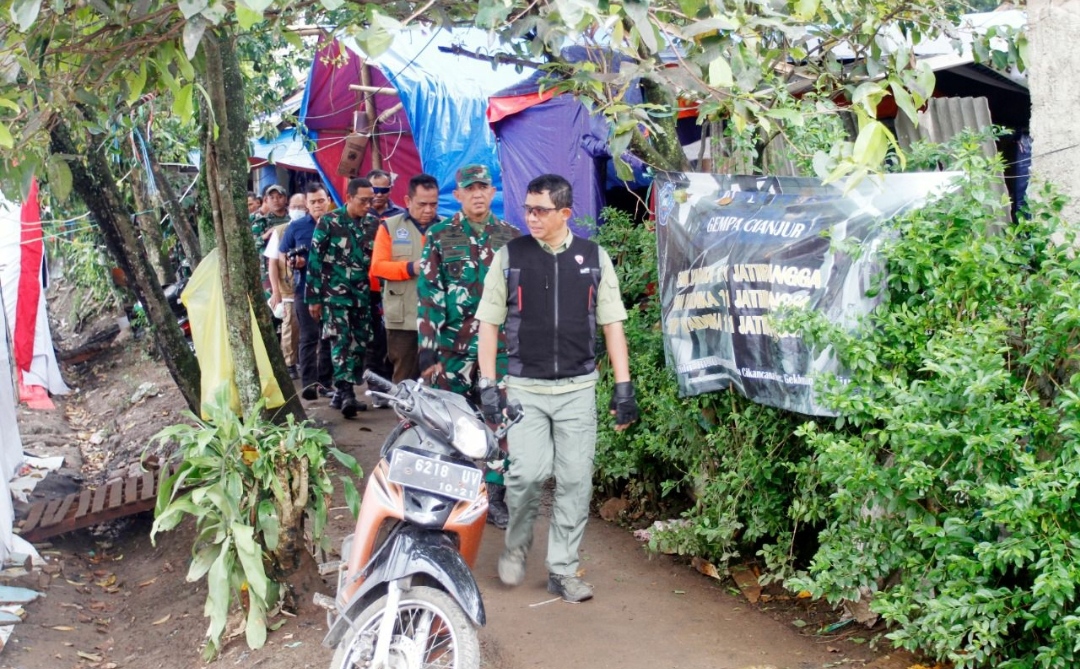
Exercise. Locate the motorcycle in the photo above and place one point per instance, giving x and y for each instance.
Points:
(406, 597)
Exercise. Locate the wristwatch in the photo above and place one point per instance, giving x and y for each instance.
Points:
(485, 382)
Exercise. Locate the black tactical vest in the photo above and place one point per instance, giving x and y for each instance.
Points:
(551, 300)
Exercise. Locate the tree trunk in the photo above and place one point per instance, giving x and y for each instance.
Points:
(226, 178)
(1052, 28)
(96, 186)
(185, 231)
(146, 220)
(662, 149)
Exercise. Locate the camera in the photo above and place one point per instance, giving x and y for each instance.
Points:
(298, 252)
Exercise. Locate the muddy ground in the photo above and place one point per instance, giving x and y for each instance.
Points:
(112, 600)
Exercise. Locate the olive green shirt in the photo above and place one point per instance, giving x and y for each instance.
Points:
(493, 310)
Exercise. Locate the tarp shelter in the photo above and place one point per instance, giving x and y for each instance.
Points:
(441, 123)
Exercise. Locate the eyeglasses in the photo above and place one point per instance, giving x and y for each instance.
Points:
(536, 211)
(365, 200)
(381, 190)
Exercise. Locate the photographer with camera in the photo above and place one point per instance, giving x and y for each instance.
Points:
(316, 369)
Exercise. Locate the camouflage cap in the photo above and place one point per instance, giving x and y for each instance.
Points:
(473, 174)
(274, 188)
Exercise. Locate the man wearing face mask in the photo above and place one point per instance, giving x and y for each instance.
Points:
(316, 368)
(297, 207)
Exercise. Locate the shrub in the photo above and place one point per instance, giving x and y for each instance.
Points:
(947, 488)
(249, 484)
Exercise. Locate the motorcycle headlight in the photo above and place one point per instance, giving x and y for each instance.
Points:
(470, 437)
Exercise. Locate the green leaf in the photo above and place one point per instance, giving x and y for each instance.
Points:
(806, 9)
(255, 631)
(218, 592)
(904, 101)
(59, 177)
(183, 106)
(639, 16)
(6, 140)
(193, 33)
(248, 550)
(352, 495)
(190, 8)
(247, 17)
(202, 560)
(269, 524)
(720, 73)
(25, 12)
(374, 40)
(136, 82)
(257, 6)
(787, 115)
(868, 95)
(331, 5)
(10, 104)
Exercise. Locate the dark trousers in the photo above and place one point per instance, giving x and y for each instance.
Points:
(403, 350)
(314, 354)
(376, 352)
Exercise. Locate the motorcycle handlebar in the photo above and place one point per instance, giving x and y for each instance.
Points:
(377, 382)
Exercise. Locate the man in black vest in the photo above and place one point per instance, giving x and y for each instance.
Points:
(550, 291)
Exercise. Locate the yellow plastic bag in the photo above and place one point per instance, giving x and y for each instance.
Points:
(205, 303)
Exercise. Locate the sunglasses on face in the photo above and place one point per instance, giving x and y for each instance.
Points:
(539, 212)
(381, 190)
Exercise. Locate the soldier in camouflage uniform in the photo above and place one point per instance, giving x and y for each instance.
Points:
(338, 288)
(457, 254)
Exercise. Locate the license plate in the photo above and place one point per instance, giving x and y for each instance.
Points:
(437, 476)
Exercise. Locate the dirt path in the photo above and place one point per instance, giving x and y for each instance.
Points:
(114, 601)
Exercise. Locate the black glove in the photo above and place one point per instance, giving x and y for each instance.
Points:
(427, 358)
(623, 403)
(491, 404)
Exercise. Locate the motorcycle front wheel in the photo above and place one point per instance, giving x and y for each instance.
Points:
(431, 630)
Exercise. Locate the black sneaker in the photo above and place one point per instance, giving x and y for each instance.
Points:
(293, 373)
(570, 588)
(336, 400)
(324, 391)
(310, 393)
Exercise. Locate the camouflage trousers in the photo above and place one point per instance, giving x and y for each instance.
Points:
(349, 331)
(459, 375)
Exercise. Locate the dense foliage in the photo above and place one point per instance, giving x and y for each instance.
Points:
(947, 489)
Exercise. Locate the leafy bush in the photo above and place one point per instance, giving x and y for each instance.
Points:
(732, 458)
(249, 484)
(947, 489)
(957, 487)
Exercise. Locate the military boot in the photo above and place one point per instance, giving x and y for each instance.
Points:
(498, 514)
(350, 406)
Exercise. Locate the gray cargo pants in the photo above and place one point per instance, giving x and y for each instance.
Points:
(556, 437)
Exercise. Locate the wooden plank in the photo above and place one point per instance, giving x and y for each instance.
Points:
(61, 511)
(84, 503)
(148, 491)
(34, 517)
(116, 489)
(99, 499)
(50, 511)
(130, 487)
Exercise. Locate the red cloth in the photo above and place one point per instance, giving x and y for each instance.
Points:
(32, 251)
